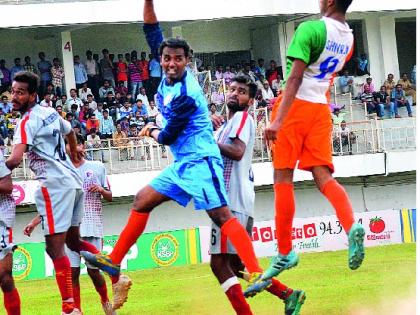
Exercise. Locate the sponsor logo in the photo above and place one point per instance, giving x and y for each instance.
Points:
(307, 244)
(18, 194)
(377, 227)
(22, 263)
(307, 231)
(165, 249)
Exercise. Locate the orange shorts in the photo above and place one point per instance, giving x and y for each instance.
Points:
(305, 137)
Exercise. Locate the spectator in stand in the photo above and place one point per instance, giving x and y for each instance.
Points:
(126, 111)
(400, 100)
(343, 137)
(62, 101)
(80, 74)
(413, 76)
(249, 72)
(153, 112)
(368, 99)
(143, 97)
(75, 124)
(57, 75)
(60, 111)
(138, 121)
(272, 73)
(362, 65)
(84, 91)
(8, 93)
(44, 68)
(122, 71)
(119, 99)
(74, 99)
(129, 98)
(155, 73)
(267, 93)
(84, 116)
(125, 123)
(106, 125)
(46, 102)
(213, 109)
(384, 102)
(134, 71)
(407, 86)
(142, 109)
(368, 87)
(93, 145)
(5, 80)
(93, 123)
(276, 85)
(144, 66)
(107, 68)
(219, 72)
(260, 69)
(228, 75)
(121, 89)
(119, 137)
(104, 90)
(12, 120)
(389, 84)
(5, 105)
(3, 125)
(111, 105)
(99, 112)
(74, 109)
(92, 104)
(93, 72)
(16, 68)
(28, 66)
(346, 83)
(337, 116)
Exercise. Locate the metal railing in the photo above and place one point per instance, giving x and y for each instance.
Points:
(144, 154)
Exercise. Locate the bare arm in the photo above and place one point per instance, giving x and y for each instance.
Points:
(6, 185)
(16, 157)
(293, 83)
(107, 194)
(149, 15)
(72, 141)
(32, 225)
(234, 151)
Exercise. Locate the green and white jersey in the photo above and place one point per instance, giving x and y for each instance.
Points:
(324, 45)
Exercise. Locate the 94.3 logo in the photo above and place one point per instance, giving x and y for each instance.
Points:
(331, 228)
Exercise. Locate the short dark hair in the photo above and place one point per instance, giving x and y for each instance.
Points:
(28, 77)
(244, 79)
(342, 5)
(80, 139)
(73, 90)
(175, 43)
(105, 51)
(92, 130)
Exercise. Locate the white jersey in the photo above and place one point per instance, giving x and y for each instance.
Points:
(92, 173)
(42, 129)
(7, 202)
(238, 175)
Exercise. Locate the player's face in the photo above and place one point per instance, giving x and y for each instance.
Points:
(173, 62)
(238, 96)
(21, 98)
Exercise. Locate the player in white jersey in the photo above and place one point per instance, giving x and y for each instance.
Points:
(95, 186)
(59, 199)
(301, 129)
(7, 220)
(235, 138)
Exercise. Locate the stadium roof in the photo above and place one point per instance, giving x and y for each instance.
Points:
(30, 13)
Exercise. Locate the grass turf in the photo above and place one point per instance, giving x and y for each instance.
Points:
(386, 278)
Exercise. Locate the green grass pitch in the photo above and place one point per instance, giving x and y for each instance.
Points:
(383, 285)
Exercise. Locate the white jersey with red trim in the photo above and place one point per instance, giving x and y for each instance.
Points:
(92, 173)
(238, 175)
(42, 130)
(7, 202)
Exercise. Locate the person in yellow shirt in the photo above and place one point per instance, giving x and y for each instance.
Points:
(408, 88)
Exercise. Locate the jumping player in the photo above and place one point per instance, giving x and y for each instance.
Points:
(301, 128)
(95, 187)
(59, 199)
(197, 171)
(235, 139)
(7, 220)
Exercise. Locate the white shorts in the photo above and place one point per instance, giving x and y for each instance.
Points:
(75, 257)
(6, 241)
(219, 244)
(59, 208)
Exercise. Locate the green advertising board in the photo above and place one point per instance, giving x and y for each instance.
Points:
(152, 250)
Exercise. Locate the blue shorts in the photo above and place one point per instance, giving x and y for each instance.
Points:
(199, 179)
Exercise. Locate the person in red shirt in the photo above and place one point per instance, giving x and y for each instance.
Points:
(122, 70)
(93, 123)
(145, 76)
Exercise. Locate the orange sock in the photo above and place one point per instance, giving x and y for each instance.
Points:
(284, 202)
(337, 196)
(240, 239)
(132, 231)
(63, 277)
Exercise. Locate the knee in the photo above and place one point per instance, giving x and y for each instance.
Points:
(7, 284)
(216, 264)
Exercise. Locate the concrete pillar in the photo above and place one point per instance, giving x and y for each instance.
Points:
(374, 46)
(286, 31)
(67, 61)
(389, 46)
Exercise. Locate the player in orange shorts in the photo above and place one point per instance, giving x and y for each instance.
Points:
(300, 130)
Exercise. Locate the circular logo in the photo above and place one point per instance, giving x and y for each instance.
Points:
(18, 194)
(164, 249)
(22, 263)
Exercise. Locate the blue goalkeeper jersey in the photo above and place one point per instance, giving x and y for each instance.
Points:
(187, 126)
